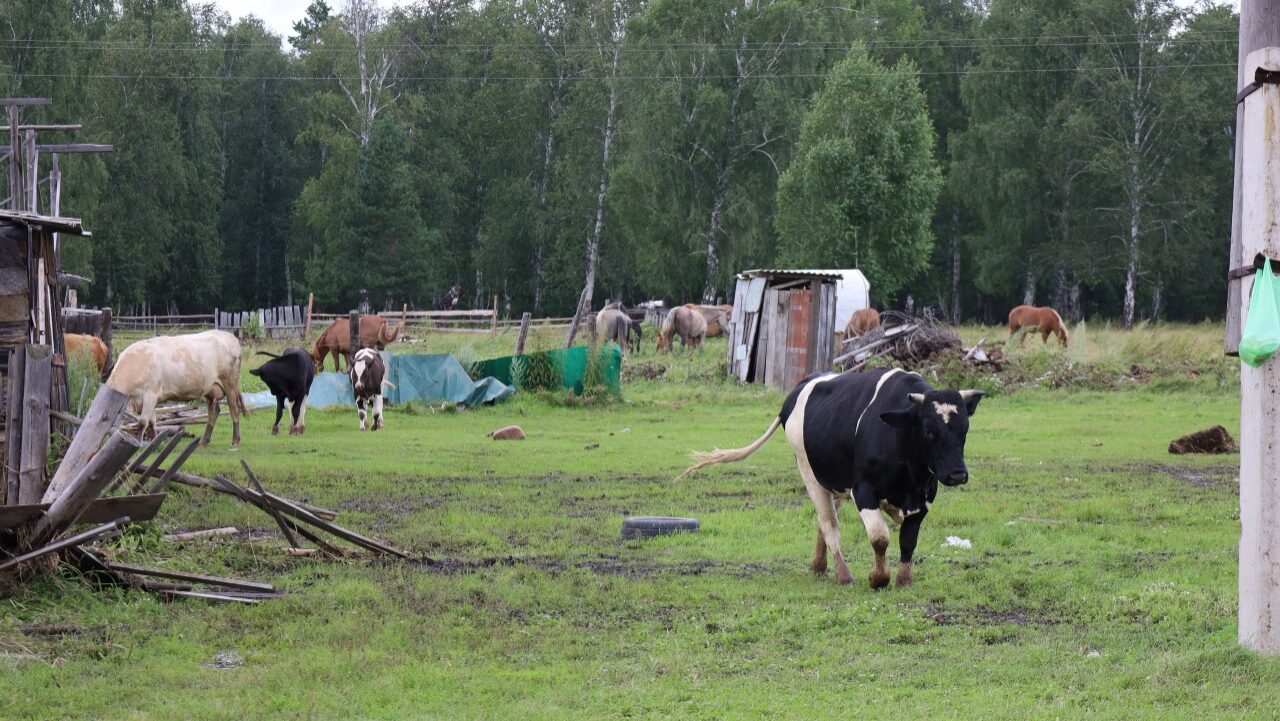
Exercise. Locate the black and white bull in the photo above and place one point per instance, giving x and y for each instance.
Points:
(884, 439)
(289, 377)
(368, 374)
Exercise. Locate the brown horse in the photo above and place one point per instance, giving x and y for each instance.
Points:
(862, 322)
(1044, 320)
(336, 339)
(686, 323)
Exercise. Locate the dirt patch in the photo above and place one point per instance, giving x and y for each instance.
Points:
(1202, 477)
(647, 370)
(981, 616)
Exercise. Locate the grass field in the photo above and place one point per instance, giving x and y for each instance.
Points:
(1101, 581)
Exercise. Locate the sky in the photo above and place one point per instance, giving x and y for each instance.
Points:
(278, 15)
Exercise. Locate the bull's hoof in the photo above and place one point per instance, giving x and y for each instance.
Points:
(275, 430)
(904, 576)
(879, 579)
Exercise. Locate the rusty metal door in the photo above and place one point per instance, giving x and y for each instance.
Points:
(799, 315)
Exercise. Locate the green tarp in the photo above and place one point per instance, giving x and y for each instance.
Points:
(574, 368)
(429, 378)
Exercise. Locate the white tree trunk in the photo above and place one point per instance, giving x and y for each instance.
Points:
(1131, 267)
(1029, 286)
(593, 240)
(955, 264)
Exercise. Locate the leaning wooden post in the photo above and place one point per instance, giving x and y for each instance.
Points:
(577, 318)
(493, 322)
(38, 375)
(306, 328)
(85, 487)
(106, 407)
(1259, 584)
(353, 318)
(524, 332)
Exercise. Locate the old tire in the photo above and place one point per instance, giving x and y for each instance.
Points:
(650, 526)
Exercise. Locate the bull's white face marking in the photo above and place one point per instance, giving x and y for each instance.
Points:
(357, 374)
(945, 410)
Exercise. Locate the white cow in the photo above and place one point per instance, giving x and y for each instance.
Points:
(182, 368)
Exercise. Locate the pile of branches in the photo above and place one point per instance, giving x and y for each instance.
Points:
(909, 339)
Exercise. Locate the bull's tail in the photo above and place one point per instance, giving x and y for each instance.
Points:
(732, 455)
(267, 353)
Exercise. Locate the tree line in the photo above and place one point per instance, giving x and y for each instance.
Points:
(967, 155)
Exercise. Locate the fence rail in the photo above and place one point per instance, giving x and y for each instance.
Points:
(290, 321)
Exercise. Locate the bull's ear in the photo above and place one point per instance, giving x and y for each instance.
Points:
(903, 418)
(971, 399)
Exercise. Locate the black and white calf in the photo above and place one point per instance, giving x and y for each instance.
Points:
(289, 377)
(368, 374)
(884, 439)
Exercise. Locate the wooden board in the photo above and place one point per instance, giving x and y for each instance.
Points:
(137, 508)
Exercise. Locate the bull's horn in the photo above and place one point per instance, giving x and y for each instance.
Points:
(916, 398)
(967, 395)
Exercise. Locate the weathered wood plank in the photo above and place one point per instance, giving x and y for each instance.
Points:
(85, 486)
(192, 577)
(106, 408)
(35, 423)
(67, 542)
(13, 424)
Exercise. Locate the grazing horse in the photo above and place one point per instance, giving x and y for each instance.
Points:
(683, 322)
(1044, 320)
(862, 322)
(614, 325)
(336, 339)
(716, 316)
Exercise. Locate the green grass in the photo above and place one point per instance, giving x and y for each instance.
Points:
(1087, 537)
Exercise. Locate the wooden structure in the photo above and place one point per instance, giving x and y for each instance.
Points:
(783, 326)
(1259, 579)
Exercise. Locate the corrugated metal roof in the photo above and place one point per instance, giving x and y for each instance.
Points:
(791, 273)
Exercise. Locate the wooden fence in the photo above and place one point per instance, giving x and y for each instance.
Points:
(284, 321)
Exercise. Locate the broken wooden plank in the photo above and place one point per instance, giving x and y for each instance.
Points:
(209, 596)
(85, 487)
(288, 507)
(67, 542)
(192, 577)
(190, 479)
(139, 508)
(13, 424)
(103, 411)
(284, 528)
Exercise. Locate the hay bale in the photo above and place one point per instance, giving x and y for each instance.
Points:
(1209, 440)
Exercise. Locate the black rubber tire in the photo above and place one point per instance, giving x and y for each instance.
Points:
(650, 526)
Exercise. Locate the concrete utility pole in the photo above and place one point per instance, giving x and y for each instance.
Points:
(1259, 28)
(1258, 201)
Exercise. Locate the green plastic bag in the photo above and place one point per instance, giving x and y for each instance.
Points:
(1262, 328)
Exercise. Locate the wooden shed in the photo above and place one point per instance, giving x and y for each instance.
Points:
(783, 326)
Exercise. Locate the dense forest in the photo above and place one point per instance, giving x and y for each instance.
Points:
(968, 154)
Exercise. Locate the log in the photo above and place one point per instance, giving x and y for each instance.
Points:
(37, 377)
(107, 405)
(205, 533)
(13, 424)
(67, 542)
(306, 328)
(260, 501)
(85, 487)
